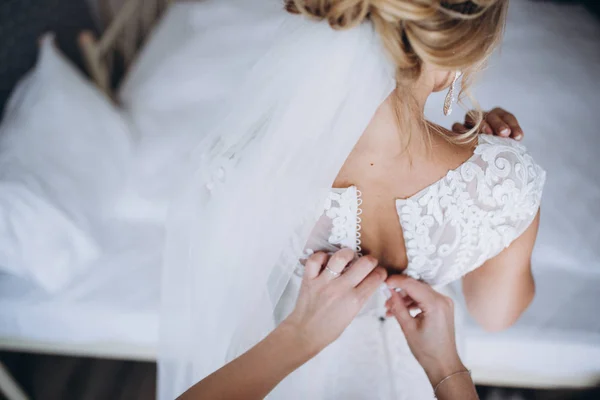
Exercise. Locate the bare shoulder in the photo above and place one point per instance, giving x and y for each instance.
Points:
(448, 155)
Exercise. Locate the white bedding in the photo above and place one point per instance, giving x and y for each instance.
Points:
(63, 149)
(556, 342)
(546, 74)
(116, 300)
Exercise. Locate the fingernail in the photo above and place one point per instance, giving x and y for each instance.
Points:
(488, 130)
(398, 289)
(518, 136)
(505, 132)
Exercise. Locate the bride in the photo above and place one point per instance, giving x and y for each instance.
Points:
(325, 146)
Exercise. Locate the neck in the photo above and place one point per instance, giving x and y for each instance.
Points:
(391, 131)
(422, 89)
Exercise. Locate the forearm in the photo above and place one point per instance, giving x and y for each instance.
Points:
(254, 374)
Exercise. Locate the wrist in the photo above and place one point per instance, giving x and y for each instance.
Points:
(437, 370)
(302, 346)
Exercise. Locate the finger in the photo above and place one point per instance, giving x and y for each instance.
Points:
(337, 263)
(486, 128)
(423, 295)
(409, 306)
(408, 302)
(399, 310)
(395, 281)
(371, 283)
(511, 121)
(459, 128)
(483, 128)
(359, 270)
(314, 264)
(470, 119)
(499, 127)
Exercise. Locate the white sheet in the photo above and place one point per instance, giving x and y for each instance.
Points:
(558, 337)
(117, 299)
(546, 74)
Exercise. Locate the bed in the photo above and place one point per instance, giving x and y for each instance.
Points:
(545, 72)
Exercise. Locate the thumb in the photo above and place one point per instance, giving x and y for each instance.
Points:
(399, 310)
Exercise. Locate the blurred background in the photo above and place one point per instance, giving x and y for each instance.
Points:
(80, 249)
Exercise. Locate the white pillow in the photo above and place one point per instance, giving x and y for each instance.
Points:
(63, 152)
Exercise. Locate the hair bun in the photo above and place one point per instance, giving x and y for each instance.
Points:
(341, 14)
(451, 34)
(397, 11)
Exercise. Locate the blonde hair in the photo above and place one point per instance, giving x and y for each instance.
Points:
(447, 34)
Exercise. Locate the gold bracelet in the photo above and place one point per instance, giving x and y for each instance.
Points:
(446, 378)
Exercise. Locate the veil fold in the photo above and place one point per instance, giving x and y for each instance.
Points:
(255, 186)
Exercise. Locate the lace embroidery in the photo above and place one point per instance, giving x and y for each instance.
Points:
(459, 222)
(359, 212)
(473, 213)
(343, 208)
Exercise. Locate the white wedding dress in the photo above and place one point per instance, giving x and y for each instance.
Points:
(450, 228)
(250, 203)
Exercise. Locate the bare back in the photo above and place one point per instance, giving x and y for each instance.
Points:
(388, 164)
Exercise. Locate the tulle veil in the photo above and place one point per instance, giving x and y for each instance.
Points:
(255, 186)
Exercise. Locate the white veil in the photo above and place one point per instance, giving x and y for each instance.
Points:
(255, 186)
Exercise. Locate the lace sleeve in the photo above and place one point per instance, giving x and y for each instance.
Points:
(474, 213)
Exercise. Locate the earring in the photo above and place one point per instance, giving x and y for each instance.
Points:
(450, 96)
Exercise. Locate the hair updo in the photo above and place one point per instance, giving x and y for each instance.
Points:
(447, 34)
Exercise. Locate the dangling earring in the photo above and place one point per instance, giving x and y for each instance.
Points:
(450, 96)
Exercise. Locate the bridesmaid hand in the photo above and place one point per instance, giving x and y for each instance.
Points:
(497, 122)
(430, 334)
(331, 295)
(327, 303)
